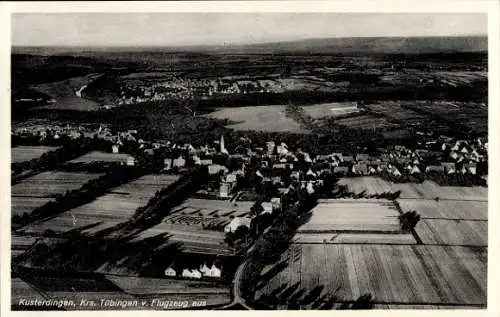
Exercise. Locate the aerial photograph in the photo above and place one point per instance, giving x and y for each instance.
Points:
(248, 161)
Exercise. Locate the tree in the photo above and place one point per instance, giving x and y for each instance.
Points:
(409, 220)
(257, 208)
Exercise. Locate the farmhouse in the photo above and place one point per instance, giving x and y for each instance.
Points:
(170, 272)
(191, 274)
(216, 168)
(236, 223)
(213, 272)
(341, 170)
(435, 168)
(179, 162)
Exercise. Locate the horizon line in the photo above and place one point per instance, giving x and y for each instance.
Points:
(243, 44)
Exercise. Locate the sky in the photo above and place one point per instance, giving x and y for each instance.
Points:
(181, 29)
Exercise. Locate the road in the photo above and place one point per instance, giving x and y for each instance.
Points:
(238, 300)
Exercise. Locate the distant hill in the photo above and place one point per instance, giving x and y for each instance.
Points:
(387, 45)
(352, 45)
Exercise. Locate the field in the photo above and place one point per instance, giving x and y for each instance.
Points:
(49, 184)
(192, 239)
(194, 212)
(353, 247)
(447, 209)
(114, 288)
(365, 122)
(64, 93)
(96, 156)
(108, 210)
(329, 109)
(26, 153)
(20, 205)
(261, 118)
(37, 190)
(425, 190)
(427, 275)
(332, 215)
(453, 232)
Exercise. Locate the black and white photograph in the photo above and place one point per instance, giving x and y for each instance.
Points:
(248, 161)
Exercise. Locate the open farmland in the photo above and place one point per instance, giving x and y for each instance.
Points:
(20, 205)
(25, 153)
(425, 190)
(64, 93)
(108, 210)
(144, 286)
(333, 215)
(196, 212)
(447, 209)
(329, 109)
(365, 122)
(96, 156)
(191, 239)
(261, 118)
(354, 238)
(397, 274)
(453, 232)
(394, 110)
(49, 184)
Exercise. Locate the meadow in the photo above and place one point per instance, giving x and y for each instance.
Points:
(25, 153)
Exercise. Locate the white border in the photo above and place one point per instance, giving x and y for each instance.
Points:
(491, 7)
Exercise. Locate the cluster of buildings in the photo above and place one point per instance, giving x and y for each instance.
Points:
(74, 132)
(212, 272)
(185, 89)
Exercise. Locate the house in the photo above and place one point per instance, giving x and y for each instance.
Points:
(276, 203)
(454, 155)
(341, 170)
(311, 174)
(448, 166)
(282, 149)
(115, 148)
(206, 162)
(213, 272)
(268, 207)
(204, 269)
(295, 175)
(167, 164)
(360, 168)
(434, 168)
(337, 154)
(279, 166)
(170, 272)
(130, 161)
(179, 162)
(149, 152)
(415, 170)
(195, 274)
(471, 167)
(362, 157)
(348, 158)
(214, 169)
(310, 188)
(236, 223)
(394, 171)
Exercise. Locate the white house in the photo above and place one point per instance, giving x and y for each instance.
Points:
(130, 161)
(179, 162)
(167, 164)
(170, 272)
(268, 207)
(415, 170)
(115, 148)
(186, 273)
(213, 272)
(237, 222)
(204, 269)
